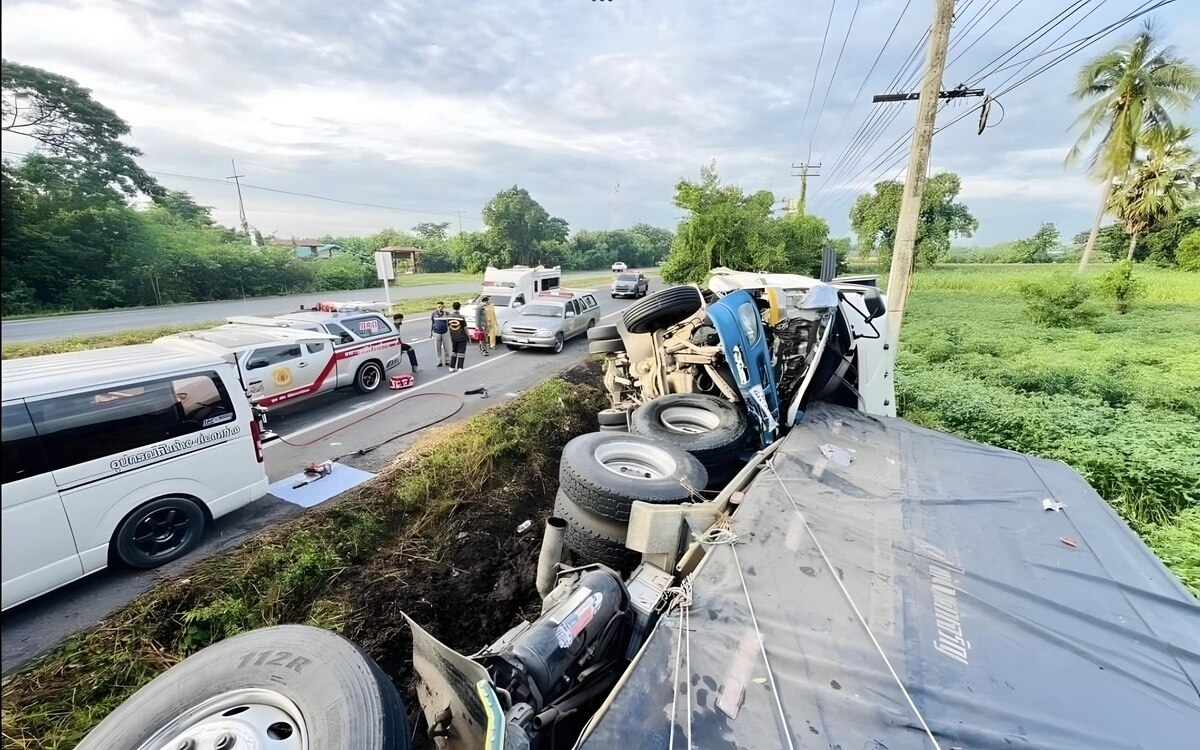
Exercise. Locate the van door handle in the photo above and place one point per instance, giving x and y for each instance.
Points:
(302, 364)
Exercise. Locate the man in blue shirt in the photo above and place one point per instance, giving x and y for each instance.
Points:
(440, 332)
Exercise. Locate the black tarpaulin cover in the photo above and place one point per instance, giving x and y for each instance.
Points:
(1007, 624)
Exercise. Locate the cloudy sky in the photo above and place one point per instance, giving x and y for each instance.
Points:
(426, 109)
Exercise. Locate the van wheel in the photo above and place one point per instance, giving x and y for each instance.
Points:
(368, 378)
(289, 686)
(160, 531)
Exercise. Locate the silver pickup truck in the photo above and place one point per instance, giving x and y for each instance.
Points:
(550, 319)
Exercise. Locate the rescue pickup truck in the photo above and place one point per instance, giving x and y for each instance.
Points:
(287, 360)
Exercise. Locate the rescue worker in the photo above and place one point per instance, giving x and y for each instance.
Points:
(399, 319)
(439, 330)
(456, 325)
(485, 320)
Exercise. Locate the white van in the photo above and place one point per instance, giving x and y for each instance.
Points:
(122, 454)
(511, 289)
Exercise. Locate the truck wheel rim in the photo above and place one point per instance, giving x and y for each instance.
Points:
(370, 378)
(251, 719)
(688, 420)
(638, 461)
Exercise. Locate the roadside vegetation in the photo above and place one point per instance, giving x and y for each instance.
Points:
(1113, 395)
(434, 535)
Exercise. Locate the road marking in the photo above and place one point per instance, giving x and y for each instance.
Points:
(384, 401)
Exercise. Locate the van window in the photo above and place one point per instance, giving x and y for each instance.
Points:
(23, 455)
(368, 326)
(315, 348)
(548, 284)
(82, 427)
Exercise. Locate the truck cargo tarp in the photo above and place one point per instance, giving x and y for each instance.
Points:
(992, 617)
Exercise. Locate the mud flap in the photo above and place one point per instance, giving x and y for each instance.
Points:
(447, 687)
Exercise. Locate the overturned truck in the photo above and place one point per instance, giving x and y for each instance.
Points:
(752, 551)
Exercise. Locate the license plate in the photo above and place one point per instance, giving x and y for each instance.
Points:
(522, 341)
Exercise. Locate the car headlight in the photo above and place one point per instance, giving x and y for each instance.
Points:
(545, 332)
(748, 315)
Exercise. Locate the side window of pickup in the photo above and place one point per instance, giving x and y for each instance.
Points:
(368, 326)
(342, 334)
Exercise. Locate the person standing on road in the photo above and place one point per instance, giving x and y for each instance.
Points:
(493, 325)
(456, 326)
(440, 331)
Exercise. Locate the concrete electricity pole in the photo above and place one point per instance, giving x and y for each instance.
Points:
(918, 169)
(804, 171)
(241, 207)
(616, 207)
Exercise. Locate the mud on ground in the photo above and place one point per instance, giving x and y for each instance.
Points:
(471, 594)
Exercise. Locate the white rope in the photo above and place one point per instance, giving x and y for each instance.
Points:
(762, 647)
(845, 592)
(683, 599)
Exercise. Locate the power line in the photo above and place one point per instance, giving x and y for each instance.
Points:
(817, 72)
(866, 78)
(837, 63)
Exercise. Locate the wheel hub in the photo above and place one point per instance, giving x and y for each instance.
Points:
(239, 720)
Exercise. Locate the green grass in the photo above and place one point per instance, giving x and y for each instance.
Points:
(97, 341)
(1117, 399)
(294, 573)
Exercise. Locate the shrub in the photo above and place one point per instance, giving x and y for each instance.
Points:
(1059, 303)
(1187, 255)
(1119, 285)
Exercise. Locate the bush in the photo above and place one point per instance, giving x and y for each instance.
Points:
(1119, 285)
(1059, 303)
(1187, 255)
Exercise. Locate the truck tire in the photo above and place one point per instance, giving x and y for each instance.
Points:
(158, 532)
(279, 682)
(604, 333)
(369, 377)
(710, 428)
(606, 347)
(662, 309)
(594, 539)
(605, 472)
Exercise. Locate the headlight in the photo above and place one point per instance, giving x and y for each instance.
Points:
(748, 315)
(544, 332)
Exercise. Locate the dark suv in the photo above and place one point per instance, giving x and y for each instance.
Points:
(630, 285)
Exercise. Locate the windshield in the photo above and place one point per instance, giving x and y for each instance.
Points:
(499, 300)
(543, 310)
(627, 277)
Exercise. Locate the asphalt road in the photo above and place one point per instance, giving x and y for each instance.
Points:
(60, 326)
(333, 425)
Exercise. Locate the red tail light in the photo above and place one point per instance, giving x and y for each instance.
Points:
(256, 433)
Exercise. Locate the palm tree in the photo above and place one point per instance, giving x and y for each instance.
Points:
(1134, 87)
(1160, 185)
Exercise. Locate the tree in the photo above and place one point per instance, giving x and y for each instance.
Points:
(1160, 185)
(517, 225)
(659, 243)
(1188, 254)
(78, 135)
(1132, 89)
(429, 230)
(1035, 249)
(873, 219)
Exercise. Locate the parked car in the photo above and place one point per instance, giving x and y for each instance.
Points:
(619, 267)
(630, 284)
(550, 319)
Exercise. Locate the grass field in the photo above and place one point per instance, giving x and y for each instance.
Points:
(1118, 399)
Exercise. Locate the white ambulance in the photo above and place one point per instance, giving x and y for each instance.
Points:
(511, 289)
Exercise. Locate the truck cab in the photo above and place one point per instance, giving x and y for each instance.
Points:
(511, 289)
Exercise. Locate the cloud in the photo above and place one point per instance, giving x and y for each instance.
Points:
(433, 106)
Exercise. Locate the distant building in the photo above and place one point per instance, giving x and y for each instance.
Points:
(309, 248)
(407, 257)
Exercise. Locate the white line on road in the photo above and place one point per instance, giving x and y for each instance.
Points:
(397, 396)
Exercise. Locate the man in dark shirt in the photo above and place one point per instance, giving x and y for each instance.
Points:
(456, 324)
(398, 319)
(440, 331)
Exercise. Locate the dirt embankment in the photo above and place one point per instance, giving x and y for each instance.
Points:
(435, 536)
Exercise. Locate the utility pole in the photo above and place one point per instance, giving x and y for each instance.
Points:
(460, 213)
(918, 168)
(616, 206)
(241, 206)
(804, 170)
